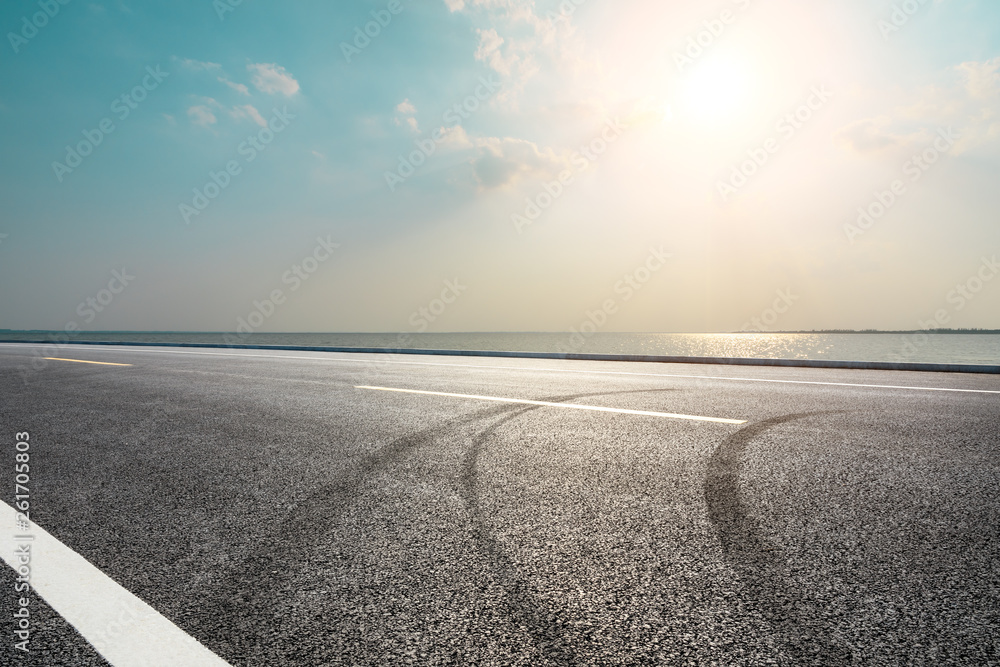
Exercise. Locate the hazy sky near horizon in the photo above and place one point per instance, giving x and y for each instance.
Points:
(506, 165)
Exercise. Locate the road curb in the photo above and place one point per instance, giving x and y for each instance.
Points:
(633, 358)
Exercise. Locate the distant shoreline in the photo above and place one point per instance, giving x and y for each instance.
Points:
(461, 333)
(878, 331)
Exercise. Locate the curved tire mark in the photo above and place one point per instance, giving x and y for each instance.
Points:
(554, 643)
(250, 582)
(524, 609)
(798, 620)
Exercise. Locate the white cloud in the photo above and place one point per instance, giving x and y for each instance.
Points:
(490, 53)
(982, 80)
(970, 104)
(517, 42)
(407, 109)
(455, 138)
(210, 102)
(249, 111)
(504, 161)
(199, 65)
(238, 87)
(489, 43)
(271, 78)
(521, 41)
(202, 115)
(868, 135)
(410, 122)
(221, 77)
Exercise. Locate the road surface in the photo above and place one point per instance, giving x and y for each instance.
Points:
(286, 508)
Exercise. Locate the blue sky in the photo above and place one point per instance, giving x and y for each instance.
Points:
(605, 76)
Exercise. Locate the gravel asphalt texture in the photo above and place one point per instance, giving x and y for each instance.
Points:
(282, 516)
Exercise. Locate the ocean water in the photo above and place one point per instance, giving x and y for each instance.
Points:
(910, 347)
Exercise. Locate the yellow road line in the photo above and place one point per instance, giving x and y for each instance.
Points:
(81, 361)
(568, 406)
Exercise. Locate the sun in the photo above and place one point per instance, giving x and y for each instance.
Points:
(716, 89)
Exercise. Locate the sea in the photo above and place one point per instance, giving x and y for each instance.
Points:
(919, 347)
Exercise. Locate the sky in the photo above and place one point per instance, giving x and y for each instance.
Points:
(499, 165)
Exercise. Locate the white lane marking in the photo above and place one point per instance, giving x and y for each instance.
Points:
(569, 406)
(554, 370)
(123, 628)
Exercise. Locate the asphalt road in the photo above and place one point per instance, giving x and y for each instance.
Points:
(280, 515)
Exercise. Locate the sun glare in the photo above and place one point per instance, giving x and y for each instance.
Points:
(715, 90)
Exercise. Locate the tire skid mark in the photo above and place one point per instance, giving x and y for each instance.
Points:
(765, 573)
(251, 582)
(548, 627)
(524, 609)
